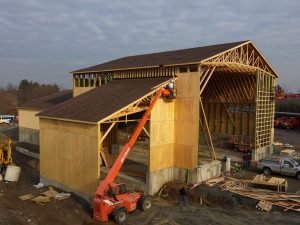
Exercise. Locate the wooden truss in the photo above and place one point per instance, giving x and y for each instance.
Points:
(243, 58)
(139, 106)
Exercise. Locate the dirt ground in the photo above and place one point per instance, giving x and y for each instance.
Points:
(219, 207)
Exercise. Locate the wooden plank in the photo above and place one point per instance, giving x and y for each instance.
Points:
(26, 197)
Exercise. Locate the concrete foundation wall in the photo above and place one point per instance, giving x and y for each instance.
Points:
(208, 170)
(29, 135)
(156, 179)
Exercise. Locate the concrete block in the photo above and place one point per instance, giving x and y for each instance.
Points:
(209, 170)
(156, 179)
(29, 135)
(27, 152)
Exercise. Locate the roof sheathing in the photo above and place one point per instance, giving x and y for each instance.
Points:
(99, 103)
(168, 58)
(48, 101)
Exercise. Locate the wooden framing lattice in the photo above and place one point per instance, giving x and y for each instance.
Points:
(265, 108)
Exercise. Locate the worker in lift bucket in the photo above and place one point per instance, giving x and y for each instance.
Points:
(171, 87)
(183, 196)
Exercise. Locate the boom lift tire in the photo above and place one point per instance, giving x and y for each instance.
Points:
(120, 215)
(145, 203)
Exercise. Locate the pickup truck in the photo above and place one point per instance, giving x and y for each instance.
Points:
(279, 164)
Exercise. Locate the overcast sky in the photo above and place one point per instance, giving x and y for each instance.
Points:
(45, 40)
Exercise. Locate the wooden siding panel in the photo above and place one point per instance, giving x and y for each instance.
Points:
(161, 136)
(187, 120)
(28, 119)
(68, 154)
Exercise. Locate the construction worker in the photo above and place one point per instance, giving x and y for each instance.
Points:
(236, 168)
(183, 196)
(245, 159)
(248, 159)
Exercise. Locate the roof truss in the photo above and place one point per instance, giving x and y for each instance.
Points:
(139, 105)
(245, 57)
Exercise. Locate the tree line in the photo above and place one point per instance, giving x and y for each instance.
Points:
(13, 96)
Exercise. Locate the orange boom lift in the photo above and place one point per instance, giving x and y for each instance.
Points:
(114, 199)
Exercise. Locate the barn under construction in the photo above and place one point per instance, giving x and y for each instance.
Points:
(224, 92)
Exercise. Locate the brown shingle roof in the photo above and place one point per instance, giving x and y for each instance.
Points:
(48, 101)
(183, 56)
(102, 101)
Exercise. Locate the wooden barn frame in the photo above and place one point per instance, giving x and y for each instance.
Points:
(222, 90)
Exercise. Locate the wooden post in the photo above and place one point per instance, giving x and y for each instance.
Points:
(206, 127)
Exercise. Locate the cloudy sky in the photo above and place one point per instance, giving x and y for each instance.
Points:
(45, 40)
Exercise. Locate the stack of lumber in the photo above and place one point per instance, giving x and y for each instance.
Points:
(212, 182)
(274, 182)
(231, 183)
(288, 201)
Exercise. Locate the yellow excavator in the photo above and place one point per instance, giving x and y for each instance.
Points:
(5, 151)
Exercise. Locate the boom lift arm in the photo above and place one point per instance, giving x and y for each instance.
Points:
(101, 210)
(126, 149)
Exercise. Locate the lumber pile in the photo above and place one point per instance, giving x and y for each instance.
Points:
(212, 182)
(274, 182)
(264, 206)
(266, 198)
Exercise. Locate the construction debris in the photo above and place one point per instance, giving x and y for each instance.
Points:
(264, 206)
(62, 196)
(288, 201)
(51, 193)
(39, 185)
(213, 182)
(41, 200)
(46, 196)
(26, 197)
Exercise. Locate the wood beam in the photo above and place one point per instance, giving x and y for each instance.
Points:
(106, 133)
(206, 130)
(148, 134)
(207, 79)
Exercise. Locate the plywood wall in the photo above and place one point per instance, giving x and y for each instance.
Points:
(69, 154)
(28, 119)
(80, 90)
(186, 120)
(162, 136)
(220, 123)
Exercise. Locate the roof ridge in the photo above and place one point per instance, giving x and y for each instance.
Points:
(179, 56)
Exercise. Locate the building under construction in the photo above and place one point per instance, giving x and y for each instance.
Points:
(223, 91)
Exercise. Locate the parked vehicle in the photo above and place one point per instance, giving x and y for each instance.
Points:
(6, 119)
(284, 122)
(291, 123)
(279, 164)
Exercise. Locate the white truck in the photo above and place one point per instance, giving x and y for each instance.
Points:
(279, 164)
